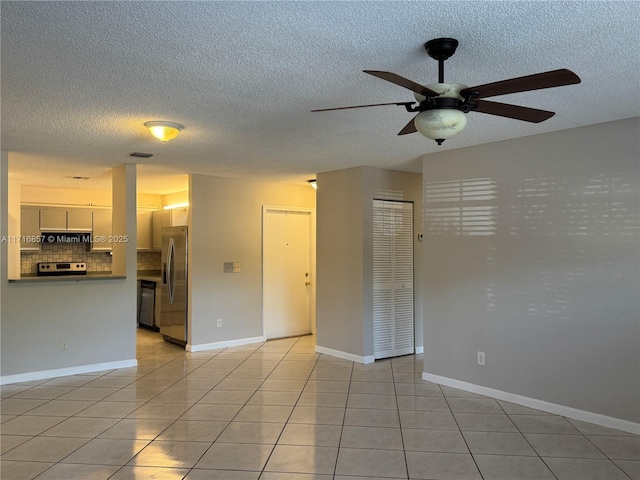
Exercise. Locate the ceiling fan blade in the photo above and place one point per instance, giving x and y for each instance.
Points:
(403, 82)
(526, 114)
(363, 106)
(408, 128)
(554, 78)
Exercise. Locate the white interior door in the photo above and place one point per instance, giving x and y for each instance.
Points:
(392, 278)
(287, 275)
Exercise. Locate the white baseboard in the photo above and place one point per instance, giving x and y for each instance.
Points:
(224, 344)
(576, 414)
(419, 350)
(64, 372)
(345, 355)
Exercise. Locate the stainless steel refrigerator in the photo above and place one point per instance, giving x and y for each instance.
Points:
(173, 318)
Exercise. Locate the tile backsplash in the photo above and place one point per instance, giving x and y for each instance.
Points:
(149, 260)
(96, 261)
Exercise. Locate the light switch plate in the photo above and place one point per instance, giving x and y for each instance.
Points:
(231, 267)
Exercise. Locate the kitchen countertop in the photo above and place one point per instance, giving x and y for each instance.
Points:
(32, 277)
(150, 275)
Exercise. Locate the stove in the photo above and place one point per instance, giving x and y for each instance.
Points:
(61, 268)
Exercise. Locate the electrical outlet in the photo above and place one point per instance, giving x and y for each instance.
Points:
(63, 345)
(481, 358)
(219, 323)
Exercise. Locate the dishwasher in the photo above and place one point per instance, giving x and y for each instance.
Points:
(147, 304)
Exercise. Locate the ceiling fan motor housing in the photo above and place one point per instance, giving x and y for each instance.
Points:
(449, 96)
(444, 90)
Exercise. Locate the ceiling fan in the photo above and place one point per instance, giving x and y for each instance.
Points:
(442, 107)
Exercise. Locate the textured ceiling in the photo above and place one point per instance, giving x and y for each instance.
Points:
(79, 79)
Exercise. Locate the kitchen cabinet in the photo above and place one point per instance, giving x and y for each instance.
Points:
(176, 217)
(101, 230)
(29, 228)
(145, 229)
(79, 219)
(156, 220)
(54, 219)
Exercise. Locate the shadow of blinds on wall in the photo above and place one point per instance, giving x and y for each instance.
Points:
(392, 278)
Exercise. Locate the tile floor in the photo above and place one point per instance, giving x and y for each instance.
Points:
(279, 411)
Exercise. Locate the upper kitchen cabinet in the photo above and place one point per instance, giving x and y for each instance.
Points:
(79, 219)
(54, 219)
(145, 229)
(156, 238)
(176, 217)
(101, 230)
(29, 228)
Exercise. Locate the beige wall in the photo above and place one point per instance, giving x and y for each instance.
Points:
(4, 230)
(175, 198)
(549, 291)
(345, 253)
(13, 248)
(340, 260)
(61, 196)
(225, 225)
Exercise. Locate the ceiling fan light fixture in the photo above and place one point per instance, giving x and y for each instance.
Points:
(164, 131)
(440, 124)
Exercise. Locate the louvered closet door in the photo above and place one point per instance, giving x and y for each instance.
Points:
(392, 278)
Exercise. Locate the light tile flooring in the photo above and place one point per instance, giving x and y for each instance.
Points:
(279, 411)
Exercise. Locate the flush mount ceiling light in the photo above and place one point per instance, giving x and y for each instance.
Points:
(313, 183)
(164, 131)
(442, 107)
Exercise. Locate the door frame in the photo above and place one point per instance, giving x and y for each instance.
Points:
(266, 209)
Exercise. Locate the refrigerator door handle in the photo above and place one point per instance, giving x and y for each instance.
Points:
(169, 272)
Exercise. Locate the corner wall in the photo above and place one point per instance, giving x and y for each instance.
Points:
(340, 259)
(345, 254)
(531, 256)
